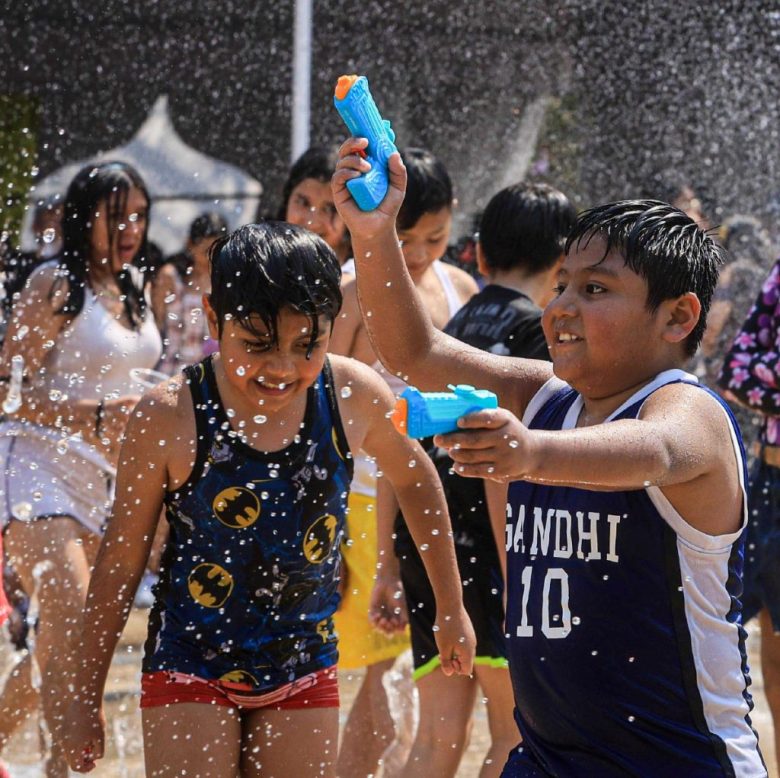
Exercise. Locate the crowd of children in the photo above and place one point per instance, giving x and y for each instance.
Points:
(575, 556)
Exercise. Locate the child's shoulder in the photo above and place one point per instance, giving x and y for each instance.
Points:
(167, 408)
(464, 284)
(356, 377)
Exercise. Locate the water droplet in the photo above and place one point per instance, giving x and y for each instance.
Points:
(37, 496)
(264, 495)
(161, 443)
(575, 620)
(49, 234)
(169, 298)
(55, 395)
(632, 718)
(346, 391)
(513, 444)
(22, 510)
(260, 419)
(23, 330)
(412, 463)
(240, 370)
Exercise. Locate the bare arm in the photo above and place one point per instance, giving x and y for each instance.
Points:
(400, 328)
(421, 498)
(141, 483)
(387, 611)
(680, 443)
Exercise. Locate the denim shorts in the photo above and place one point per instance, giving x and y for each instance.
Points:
(762, 545)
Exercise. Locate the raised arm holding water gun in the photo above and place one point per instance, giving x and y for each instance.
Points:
(624, 534)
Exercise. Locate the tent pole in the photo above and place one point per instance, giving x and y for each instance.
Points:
(301, 86)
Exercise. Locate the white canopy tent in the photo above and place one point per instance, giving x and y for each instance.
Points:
(182, 182)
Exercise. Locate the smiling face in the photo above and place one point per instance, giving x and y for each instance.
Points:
(267, 375)
(116, 238)
(426, 241)
(311, 206)
(603, 339)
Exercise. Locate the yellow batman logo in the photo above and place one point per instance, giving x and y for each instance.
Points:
(319, 539)
(325, 630)
(236, 507)
(210, 585)
(241, 677)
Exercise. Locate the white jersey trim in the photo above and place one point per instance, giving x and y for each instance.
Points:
(544, 393)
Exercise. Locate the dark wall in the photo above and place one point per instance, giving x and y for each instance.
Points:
(640, 92)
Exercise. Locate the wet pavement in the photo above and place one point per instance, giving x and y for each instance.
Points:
(124, 752)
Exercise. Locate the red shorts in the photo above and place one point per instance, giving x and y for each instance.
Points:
(166, 687)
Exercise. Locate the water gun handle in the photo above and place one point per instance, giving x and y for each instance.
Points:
(421, 414)
(357, 108)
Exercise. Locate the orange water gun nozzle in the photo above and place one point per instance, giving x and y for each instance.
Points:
(399, 415)
(344, 85)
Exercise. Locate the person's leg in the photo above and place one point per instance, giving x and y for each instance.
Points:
(770, 669)
(289, 743)
(191, 739)
(369, 729)
(446, 706)
(50, 558)
(497, 689)
(18, 700)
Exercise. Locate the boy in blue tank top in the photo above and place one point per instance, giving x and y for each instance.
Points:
(249, 454)
(626, 504)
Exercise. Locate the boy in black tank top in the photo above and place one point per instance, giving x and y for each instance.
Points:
(248, 453)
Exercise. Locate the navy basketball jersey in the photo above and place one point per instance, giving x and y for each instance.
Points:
(627, 652)
(249, 578)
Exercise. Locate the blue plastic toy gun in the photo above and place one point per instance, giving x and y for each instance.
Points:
(358, 110)
(420, 414)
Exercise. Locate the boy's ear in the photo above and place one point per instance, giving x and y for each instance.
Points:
(681, 315)
(211, 317)
(482, 265)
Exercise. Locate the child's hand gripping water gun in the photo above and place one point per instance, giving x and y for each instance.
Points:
(354, 102)
(420, 414)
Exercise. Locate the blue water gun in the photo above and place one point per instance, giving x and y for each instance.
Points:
(358, 110)
(420, 414)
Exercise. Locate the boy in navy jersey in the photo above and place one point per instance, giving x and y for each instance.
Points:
(626, 502)
(249, 456)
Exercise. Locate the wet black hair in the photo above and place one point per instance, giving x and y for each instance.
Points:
(108, 182)
(260, 269)
(428, 187)
(526, 226)
(662, 245)
(317, 162)
(208, 225)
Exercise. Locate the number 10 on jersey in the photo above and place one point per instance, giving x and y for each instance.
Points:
(553, 574)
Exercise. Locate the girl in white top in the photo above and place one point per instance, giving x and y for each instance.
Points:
(424, 229)
(81, 324)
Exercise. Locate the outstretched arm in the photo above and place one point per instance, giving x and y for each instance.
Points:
(681, 443)
(398, 324)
